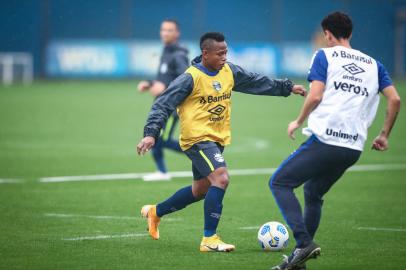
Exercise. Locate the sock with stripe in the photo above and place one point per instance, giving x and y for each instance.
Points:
(213, 206)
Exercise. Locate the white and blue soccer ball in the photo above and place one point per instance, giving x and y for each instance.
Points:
(273, 236)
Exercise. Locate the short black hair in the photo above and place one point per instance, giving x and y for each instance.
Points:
(339, 24)
(207, 39)
(174, 22)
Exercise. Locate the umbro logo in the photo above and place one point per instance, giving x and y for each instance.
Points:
(335, 54)
(353, 69)
(219, 109)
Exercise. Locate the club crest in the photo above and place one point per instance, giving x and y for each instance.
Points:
(216, 86)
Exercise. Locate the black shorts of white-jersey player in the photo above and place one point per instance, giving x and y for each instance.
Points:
(174, 61)
(210, 173)
(351, 87)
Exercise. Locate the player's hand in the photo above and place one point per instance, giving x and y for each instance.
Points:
(299, 90)
(380, 143)
(145, 145)
(292, 128)
(143, 86)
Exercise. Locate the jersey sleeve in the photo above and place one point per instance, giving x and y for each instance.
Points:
(318, 67)
(166, 103)
(257, 84)
(384, 79)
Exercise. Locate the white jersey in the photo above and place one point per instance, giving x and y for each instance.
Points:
(353, 81)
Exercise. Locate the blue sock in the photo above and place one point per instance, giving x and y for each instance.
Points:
(182, 198)
(213, 205)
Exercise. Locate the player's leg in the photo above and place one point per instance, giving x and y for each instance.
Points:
(213, 203)
(169, 141)
(208, 160)
(317, 187)
(179, 200)
(305, 163)
(164, 141)
(293, 172)
(158, 157)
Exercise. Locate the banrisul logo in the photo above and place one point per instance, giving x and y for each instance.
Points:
(217, 85)
(211, 99)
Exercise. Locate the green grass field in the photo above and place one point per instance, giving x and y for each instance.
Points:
(90, 128)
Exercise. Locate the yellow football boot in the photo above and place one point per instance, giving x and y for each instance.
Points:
(149, 212)
(214, 244)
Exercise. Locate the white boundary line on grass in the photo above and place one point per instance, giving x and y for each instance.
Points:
(103, 237)
(188, 174)
(60, 215)
(359, 228)
(381, 229)
(10, 181)
(250, 228)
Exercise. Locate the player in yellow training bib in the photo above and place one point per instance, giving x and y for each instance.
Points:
(202, 98)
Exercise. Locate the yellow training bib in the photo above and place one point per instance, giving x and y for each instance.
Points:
(205, 114)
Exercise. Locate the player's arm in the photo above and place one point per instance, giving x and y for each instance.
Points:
(154, 87)
(311, 102)
(162, 108)
(256, 84)
(180, 64)
(317, 77)
(386, 87)
(380, 143)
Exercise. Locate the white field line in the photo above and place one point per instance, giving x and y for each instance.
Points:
(381, 229)
(188, 174)
(359, 228)
(10, 181)
(60, 215)
(250, 228)
(103, 237)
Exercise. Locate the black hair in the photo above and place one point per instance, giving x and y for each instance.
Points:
(207, 39)
(174, 22)
(339, 24)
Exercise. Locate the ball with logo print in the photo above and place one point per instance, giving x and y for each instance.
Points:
(273, 236)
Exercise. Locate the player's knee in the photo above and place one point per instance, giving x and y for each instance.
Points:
(220, 178)
(199, 192)
(200, 188)
(311, 196)
(224, 180)
(273, 182)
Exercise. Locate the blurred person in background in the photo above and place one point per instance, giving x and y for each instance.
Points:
(174, 61)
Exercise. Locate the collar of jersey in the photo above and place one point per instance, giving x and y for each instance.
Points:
(205, 70)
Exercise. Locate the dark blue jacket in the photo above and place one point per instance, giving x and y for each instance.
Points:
(182, 86)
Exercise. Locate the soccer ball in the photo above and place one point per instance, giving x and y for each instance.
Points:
(273, 236)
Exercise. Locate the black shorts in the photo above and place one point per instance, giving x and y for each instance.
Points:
(206, 157)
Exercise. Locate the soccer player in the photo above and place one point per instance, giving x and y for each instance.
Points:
(174, 61)
(202, 97)
(341, 105)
